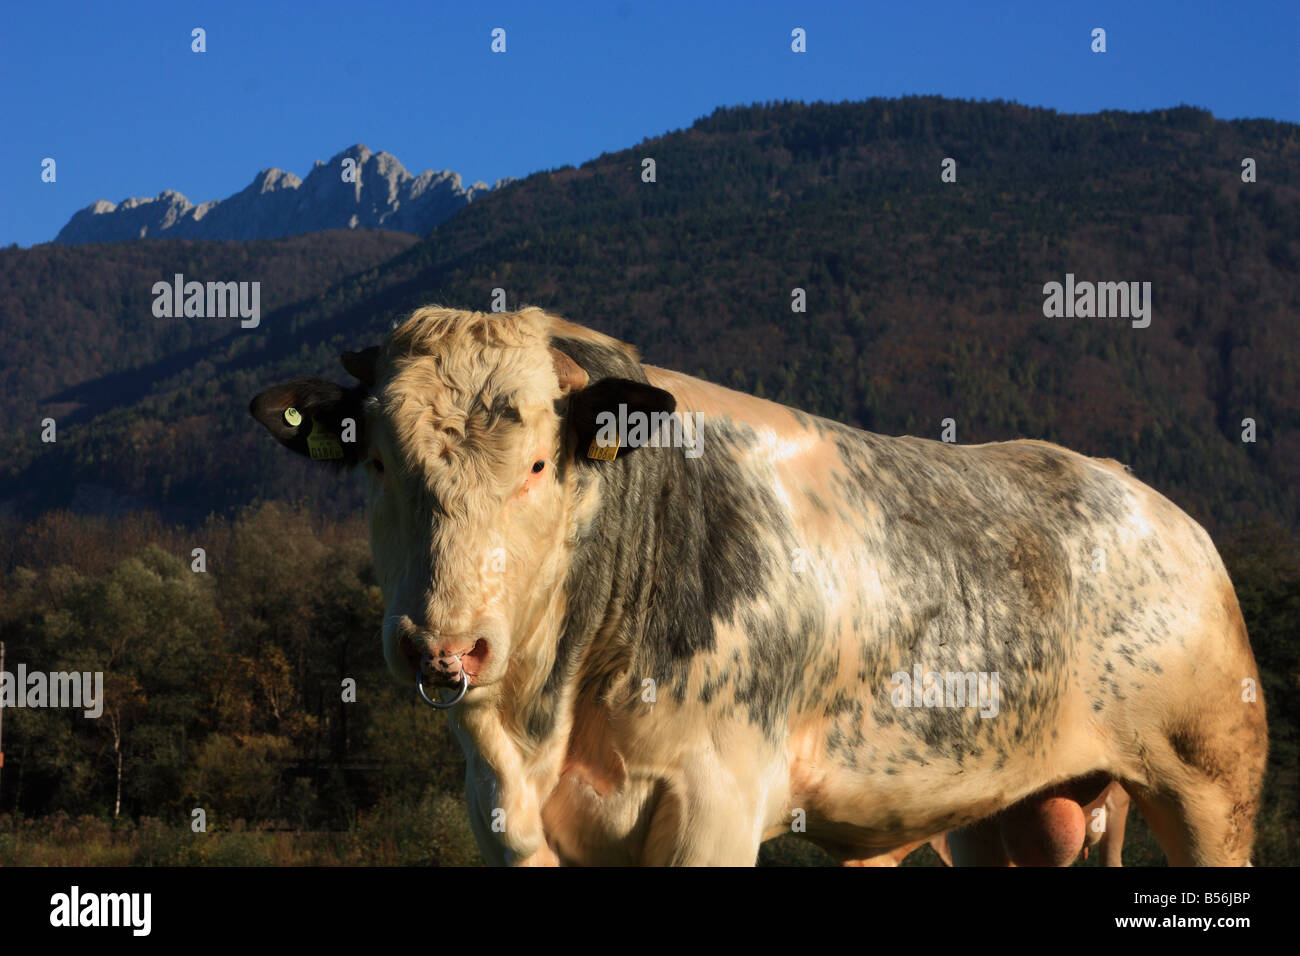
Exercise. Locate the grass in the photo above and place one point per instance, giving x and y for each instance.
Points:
(433, 831)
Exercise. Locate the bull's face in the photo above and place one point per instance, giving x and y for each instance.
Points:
(468, 511)
(469, 430)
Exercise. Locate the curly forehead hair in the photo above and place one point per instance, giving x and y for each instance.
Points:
(453, 375)
(436, 329)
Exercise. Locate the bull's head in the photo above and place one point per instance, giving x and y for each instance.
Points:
(472, 432)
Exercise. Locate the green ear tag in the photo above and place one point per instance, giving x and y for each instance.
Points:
(292, 416)
(322, 444)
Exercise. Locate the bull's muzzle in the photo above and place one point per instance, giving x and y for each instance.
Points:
(441, 705)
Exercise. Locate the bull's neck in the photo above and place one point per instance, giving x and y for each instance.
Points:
(675, 545)
(609, 586)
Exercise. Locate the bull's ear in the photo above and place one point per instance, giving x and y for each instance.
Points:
(314, 417)
(602, 407)
(361, 365)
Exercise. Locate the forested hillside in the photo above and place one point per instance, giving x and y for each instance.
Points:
(924, 298)
(83, 316)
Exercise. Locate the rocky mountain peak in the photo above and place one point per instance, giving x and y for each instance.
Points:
(384, 195)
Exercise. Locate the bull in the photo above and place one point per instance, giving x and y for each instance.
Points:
(669, 645)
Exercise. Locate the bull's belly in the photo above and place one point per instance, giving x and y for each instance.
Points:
(858, 782)
(894, 788)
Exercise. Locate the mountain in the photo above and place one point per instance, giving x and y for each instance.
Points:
(925, 300)
(382, 195)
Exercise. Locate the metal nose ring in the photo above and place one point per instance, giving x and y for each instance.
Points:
(441, 705)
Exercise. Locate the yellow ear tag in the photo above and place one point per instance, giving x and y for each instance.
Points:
(292, 416)
(323, 445)
(602, 452)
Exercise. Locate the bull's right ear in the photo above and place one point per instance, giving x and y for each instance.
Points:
(314, 418)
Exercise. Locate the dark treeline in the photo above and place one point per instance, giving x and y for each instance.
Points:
(224, 688)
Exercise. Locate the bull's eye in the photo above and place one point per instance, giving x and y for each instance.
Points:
(538, 466)
(378, 465)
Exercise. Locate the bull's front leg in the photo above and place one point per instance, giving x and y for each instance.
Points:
(521, 814)
(505, 811)
(544, 856)
(703, 817)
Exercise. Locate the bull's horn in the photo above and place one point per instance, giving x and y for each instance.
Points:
(572, 376)
(361, 365)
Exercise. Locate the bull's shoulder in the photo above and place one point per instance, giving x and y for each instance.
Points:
(696, 395)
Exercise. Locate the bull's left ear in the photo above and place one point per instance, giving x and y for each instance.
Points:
(314, 418)
(603, 409)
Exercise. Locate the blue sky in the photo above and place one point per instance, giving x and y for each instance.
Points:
(113, 93)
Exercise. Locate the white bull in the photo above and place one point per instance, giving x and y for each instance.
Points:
(670, 653)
